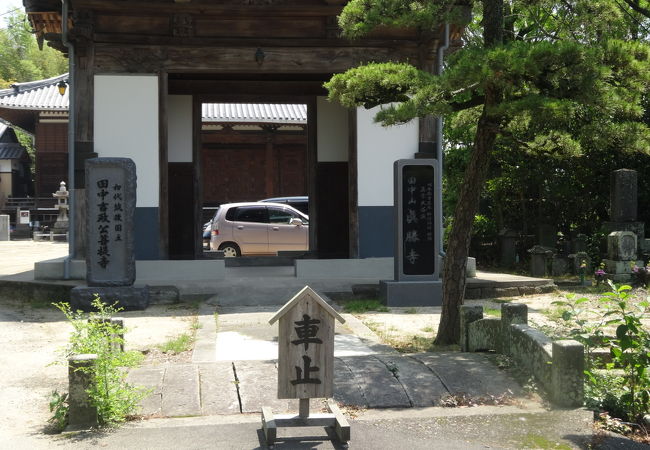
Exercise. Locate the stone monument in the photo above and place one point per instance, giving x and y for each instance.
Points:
(621, 255)
(623, 205)
(417, 260)
(110, 261)
(61, 224)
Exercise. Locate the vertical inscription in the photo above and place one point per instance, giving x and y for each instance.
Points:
(110, 190)
(417, 239)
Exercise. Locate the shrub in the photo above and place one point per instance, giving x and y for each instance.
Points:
(94, 333)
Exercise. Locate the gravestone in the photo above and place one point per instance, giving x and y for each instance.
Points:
(547, 236)
(539, 257)
(623, 205)
(508, 248)
(623, 195)
(305, 364)
(621, 255)
(4, 227)
(579, 243)
(417, 255)
(110, 210)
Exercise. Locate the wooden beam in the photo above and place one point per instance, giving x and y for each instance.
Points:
(163, 166)
(230, 87)
(280, 60)
(232, 8)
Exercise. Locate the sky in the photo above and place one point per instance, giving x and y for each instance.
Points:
(8, 5)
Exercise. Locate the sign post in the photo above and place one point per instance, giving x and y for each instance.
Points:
(306, 364)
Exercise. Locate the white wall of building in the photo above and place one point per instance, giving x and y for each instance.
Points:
(179, 128)
(126, 125)
(5, 165)
(377, 148)
(331, 131)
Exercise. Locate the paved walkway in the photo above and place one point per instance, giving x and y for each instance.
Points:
(234, 371)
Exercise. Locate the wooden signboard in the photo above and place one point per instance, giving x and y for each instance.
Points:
(306, 363)
(306, 346)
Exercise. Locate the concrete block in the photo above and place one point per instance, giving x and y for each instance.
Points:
(53, 269)
(531, 349)
(484, 334)
(127, 297)
(511, 313)
(411, 293)
(377, 268)
(506, 292)
(468, 314)
(620, 267)
(621, 246)
(186, 270)
(4, 227)
(470, 269)
(567, 373)
(81, 413)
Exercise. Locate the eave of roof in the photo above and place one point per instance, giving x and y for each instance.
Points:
(43, 95)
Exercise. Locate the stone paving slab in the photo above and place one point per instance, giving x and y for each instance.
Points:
(366, 381)
(347, 390)
(149, 378)
(420, 384)
(218, 389)
(380, 387)
(180, 392)
(258, 386)
(470, 373)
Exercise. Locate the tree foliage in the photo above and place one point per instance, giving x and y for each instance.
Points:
(20, 58)
(536, 80)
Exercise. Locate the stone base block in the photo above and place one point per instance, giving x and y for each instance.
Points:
(637, 228)
(470, 270)
(129, 298)
(411, 293)
(620, 267)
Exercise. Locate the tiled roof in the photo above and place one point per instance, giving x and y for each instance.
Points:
(11, 151)
(253, 112)
(43, 95)
(36, 95)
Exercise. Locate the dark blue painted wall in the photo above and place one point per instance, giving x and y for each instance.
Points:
(147, 234)
(376, 231)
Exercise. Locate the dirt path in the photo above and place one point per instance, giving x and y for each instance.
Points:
(30, 340)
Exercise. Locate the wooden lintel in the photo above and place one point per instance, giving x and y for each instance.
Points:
(280, 60)
(230, 87)
(149, 39)
(231, 8)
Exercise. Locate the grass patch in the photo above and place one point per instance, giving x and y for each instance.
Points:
(495, 312)
(362, 306)
(179, 344)
(428, 329)
(537, 441)
(411, 311)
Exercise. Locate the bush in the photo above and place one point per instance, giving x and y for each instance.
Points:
(94, 333)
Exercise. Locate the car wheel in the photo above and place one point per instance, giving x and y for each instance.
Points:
(230, 250)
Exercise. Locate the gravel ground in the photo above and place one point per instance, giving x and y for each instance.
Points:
(31, 340)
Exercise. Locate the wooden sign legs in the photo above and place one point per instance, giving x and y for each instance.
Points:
(334, 419)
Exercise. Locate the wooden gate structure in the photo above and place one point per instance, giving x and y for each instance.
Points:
(141, 66)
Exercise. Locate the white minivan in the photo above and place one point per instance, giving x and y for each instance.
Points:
(256, 228)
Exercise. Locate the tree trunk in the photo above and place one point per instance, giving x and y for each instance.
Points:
(487, 129)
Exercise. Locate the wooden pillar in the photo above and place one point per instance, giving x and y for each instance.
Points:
(427, 124)
(272, 186)
(312, 163)
(163, 201)
(353, 184)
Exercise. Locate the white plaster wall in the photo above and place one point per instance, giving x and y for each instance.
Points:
(5, 165)
(179, 128)
(126, 126)
(332, 131)
(377, 148)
